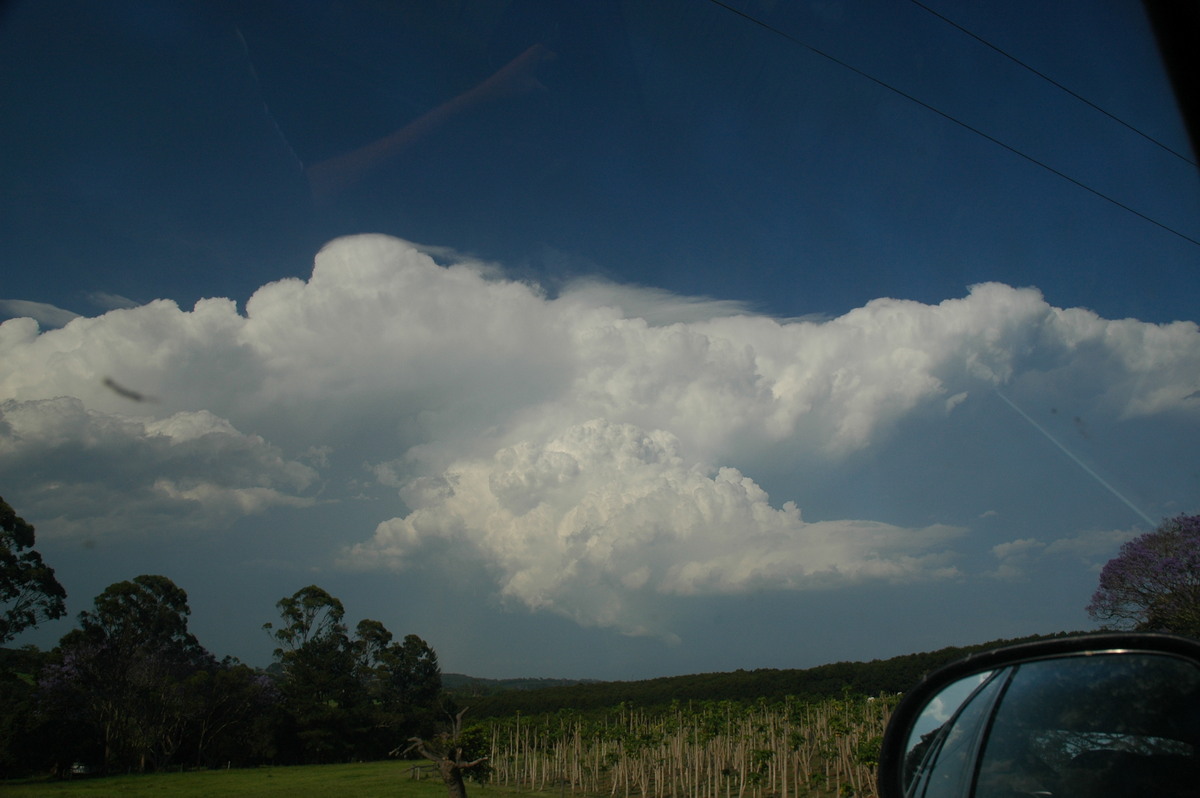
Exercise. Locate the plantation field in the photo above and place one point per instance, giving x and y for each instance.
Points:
(723, 749)
(787, 749)
(360, 780)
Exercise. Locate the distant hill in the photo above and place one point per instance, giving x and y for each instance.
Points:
(504, 697)
(460, 685)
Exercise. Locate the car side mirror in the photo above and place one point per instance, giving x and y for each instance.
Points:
(1089, 715)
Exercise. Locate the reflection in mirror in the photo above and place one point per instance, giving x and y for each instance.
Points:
(1107, 725)
(947, 732)
(944, 705)
(1114, 724)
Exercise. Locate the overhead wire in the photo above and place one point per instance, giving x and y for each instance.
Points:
(949, 117)
(1052, 81)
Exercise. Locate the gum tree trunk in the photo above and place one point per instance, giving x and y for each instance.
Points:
(447, 754)
(452, 777)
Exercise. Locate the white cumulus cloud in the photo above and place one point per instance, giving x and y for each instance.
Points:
(593, 449)
(95, 474)
(600, 518)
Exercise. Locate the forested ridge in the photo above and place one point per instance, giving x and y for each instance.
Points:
(462, 684)
(886, 676)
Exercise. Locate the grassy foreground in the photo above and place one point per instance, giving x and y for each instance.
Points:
(360, 780)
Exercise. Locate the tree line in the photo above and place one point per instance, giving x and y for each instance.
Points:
(886, 676)
(131, 690)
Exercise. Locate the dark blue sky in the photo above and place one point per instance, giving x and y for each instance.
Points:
(680, 146)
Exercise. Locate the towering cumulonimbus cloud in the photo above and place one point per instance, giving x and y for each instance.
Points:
(580, 446)
(596, 521)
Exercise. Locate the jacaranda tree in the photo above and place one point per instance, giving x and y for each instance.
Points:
(1153, 584)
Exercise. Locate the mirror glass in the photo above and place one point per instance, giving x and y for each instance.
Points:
(946, 732)
(1112, 724)
(944, 706)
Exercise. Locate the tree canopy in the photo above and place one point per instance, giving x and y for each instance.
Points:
(349, 695)
(132, 689)
(1153, 584)
(124, 673)
(29, 593)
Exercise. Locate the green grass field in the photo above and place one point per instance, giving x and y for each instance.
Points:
(362, 780)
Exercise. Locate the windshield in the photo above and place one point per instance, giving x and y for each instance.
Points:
(597, 339)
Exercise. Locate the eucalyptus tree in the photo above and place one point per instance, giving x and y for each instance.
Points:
(349, 695)
(410, 686)
(23, 745)
(320, 687)
(124, 673)
(29, 592)
(232, 716)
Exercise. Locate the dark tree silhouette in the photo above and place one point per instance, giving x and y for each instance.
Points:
(321, 689)
(349, 695)
(125, 672)
(29, 593)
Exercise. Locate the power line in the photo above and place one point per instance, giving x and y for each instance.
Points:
(1053, 82)
(845, 65)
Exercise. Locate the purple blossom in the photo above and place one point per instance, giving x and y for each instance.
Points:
(1154, 581)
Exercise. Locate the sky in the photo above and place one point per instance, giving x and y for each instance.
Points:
(597, 340)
